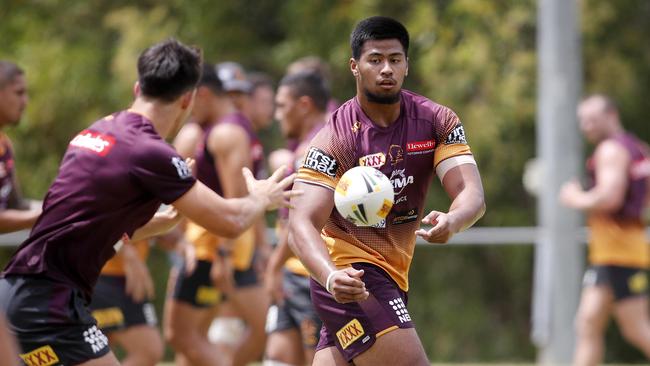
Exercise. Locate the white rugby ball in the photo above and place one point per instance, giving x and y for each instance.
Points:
(364, 196)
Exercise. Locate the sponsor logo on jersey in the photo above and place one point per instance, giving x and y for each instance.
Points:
(349, 333)
(456, 136)
(96, 142)
(420, 147)
(95, 338)
(318, 160)
(403, 217)
(400, 180)
(356, 126)
(373, 160)
(42, 356)
(109, 317)
(182, 169)
(400, 310)
(638, 283)
(396, 154)
(400, 200)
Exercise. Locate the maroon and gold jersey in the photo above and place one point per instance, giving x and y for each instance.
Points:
(619, 238)
(409, 152)
(6, 171)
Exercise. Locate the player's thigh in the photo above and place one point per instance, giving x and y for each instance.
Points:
(251, 304)
(631, 314)
(397, 347)
(595, 306)
(285, 346)
(185, 318)
(108, 359)
(330, 356)
(140, 339)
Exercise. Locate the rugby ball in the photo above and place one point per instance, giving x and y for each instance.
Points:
(364, 196)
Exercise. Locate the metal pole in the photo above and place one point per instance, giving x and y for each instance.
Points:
(558, 255)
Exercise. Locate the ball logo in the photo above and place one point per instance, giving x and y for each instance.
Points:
(318, 160)
(93, 141)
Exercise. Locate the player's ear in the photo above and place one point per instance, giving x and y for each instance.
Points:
(136, 89)
(407, 67)
(354, 67)
(188, 99)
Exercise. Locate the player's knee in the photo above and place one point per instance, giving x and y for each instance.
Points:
(175, 338)
(588, 324)
(635, 334)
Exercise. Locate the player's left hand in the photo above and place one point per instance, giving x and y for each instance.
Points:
(443, 227)
(139, 284)
(569, 192)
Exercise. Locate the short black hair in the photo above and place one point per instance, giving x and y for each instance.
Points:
(310, 84)
(378, 28)
(169, 69)
(259, 80)
(8, 72)
(210, 79)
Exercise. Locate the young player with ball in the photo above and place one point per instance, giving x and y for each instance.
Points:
(360, 274)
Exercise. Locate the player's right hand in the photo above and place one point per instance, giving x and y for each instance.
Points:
(346, 286)
(271, 191)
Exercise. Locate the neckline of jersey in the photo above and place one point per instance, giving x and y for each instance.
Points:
(363, 117)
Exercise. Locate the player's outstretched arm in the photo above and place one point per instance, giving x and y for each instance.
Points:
(463, 185)
(231, 217)
(307, 217)
(14, 220)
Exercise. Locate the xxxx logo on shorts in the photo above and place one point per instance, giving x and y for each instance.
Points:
(42, 356)
(349, 333)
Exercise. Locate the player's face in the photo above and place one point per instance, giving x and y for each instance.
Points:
(287, 112)
(262, 101)
(380, 70)
(593, 120)
(13, 101)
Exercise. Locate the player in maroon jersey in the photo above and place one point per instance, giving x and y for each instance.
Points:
(113, 177)
(360, 274)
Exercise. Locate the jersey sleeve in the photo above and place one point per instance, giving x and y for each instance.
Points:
(161, 171)
(328, 156)
(451, 137)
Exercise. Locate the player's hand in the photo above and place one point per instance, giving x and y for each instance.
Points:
(443, 228)
(191, 165)
(139, 284)
(273, 285)
(346, 286)
(222, 274)
(271, 191)
(569, 193)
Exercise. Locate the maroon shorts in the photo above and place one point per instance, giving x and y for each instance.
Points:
(353, 327)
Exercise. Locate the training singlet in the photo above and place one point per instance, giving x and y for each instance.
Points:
(206, 243)
(112, 179)
(619, 238)
(407, 152)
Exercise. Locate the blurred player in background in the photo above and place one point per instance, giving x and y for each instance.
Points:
(314, 64)
(292, 322)
(360, 274)
(616, 281)
(232, 145)
(192, 298)
(113, 177)
(15, 212)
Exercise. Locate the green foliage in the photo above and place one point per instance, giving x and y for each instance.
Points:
(476, 56)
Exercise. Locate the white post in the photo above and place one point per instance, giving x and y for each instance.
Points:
(558, 255)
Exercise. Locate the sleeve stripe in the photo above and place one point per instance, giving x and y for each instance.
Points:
(447, 164)
(314, 183)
